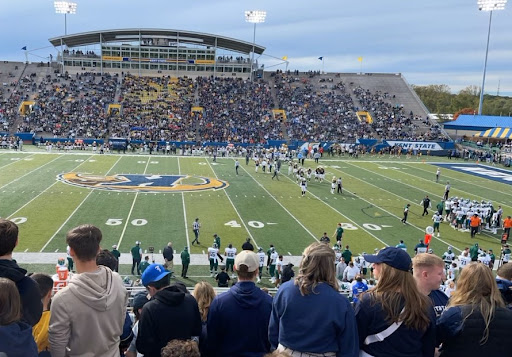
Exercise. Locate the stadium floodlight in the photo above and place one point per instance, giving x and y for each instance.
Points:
(65, 7)
(488, 5)
(254, 17)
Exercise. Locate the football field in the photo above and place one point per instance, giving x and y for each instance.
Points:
(155, 199)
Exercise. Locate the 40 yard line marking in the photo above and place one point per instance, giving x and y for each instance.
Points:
(30, 172)
(131, 209)
(229, 198)
(279, 203)
(76, 210)
(184, 209)
(46, 189)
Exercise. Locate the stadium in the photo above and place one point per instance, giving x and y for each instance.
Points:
(141, 132)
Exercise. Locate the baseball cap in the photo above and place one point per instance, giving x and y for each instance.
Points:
(247, 258)
(394, 257)
(114, 246)
(153, 273)
(137, 242)
(140, 300)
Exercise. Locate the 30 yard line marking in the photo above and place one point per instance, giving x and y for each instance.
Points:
(131, 209)
(76, 209)
(46, 189)
(280, 204)
(239, 216)
(30, 172)
(184, 209)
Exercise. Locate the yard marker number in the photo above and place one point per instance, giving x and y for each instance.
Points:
(369, 226)
(118, 221)
(253, 224)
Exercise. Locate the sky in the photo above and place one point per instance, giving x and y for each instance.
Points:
(429, 42)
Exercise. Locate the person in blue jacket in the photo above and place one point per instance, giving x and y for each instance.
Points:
(16, 338)
(358, 288)
(309, 315)
(395, 319)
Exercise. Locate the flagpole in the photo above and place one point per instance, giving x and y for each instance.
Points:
(323, 72)
(361, 72)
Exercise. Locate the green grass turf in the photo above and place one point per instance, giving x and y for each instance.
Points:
(268, 211)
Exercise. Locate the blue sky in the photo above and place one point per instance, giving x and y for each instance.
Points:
(430, 42)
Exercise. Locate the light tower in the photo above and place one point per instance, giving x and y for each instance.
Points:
(65, 7)
(255, 17)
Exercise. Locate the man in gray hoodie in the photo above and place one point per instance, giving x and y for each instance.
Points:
(87, 316)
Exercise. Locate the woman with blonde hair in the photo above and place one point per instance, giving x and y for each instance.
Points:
(204, 294)
(395, 318)
(476, 321)
(309, 315)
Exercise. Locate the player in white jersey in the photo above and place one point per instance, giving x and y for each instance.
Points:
(485, 259)
(279, 270)
(230, 253)
(464, 259)
(272, 267)
(303, 186)
(213, 256)
(333, 185)
(261, 259)
(437, 222)
(337, 253)
(448, 258)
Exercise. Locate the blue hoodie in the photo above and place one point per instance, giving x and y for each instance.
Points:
(16, 340)
(237, 322)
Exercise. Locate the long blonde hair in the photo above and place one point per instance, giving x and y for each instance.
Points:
(204, 294)
(316, 267)
(477, 287)
(396, 286)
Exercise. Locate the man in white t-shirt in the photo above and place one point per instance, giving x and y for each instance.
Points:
(350, 272)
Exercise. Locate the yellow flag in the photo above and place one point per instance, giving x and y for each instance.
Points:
(360, 59)
(285, 58)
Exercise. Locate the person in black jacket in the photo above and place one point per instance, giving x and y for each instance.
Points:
(31, 305)
(247, 245)
(172, 313)
(168, 254)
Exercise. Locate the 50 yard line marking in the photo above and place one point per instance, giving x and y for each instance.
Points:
(184, 209)
(76, 210)
(131, 209)
(236, 211)
(279, 203)
(28, 173)
(46, 189)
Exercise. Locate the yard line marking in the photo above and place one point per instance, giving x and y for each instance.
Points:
(28, 173)
(232, 204)
(13, 162)
(75, 210)
(341, 214)
(184, 209)
(131, 210)
(26, 250)
(280, 204)
(46, 189)
(56, 251)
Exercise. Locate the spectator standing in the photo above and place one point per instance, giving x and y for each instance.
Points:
(168, 254)
(429, 273)
(204, 294)
(117, 254)
(230, 312)
(309, 315)
(136, 257)
(31, 306)
(168, 303)
(15, 336)
(476, 321)
(94, 297)
(40, 330)
(185, 261)
(395, 318)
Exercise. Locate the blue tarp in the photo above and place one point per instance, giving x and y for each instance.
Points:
(478, 122)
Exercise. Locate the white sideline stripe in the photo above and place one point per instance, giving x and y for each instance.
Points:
(410, 224)
(280, 204)
(46, 189)
(341, 214)
(14, 161)
(28, 173)
(131, 209)
(75, 210)
(239, 216)
(184, 210)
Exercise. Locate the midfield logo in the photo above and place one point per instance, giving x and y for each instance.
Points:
(142, 183)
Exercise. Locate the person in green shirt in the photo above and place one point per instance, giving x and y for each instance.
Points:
(347, 255)
(338, 233)
(440, 207)
(136, 257)
(473, 252)
(269, 252)
(505, 254)
(216, 240)
(185, 261)
(493, 258)
(116, 254)
(143, 265)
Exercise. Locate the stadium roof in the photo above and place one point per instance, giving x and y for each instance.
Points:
(496, 133)
(120, 35)
(479, 122)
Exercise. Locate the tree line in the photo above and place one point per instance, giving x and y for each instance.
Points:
(439, 99)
